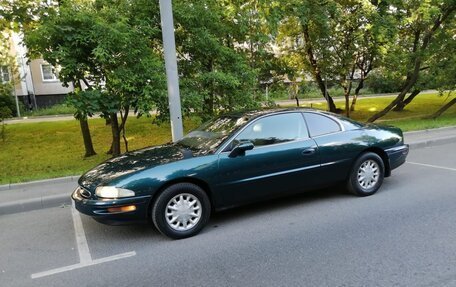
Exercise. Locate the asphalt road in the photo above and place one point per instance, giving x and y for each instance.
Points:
(405, 235)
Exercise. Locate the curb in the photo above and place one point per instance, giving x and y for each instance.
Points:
(429, 143)
(35, 204)
(39, 182)
(431, 130)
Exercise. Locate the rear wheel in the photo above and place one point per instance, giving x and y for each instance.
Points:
(181, 210)
(367, 174)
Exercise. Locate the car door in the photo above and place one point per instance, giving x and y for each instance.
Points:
(336, 146)
(284, 158)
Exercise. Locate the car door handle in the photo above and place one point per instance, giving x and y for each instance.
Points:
(308, 151)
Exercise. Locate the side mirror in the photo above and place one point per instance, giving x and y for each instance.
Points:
(240, 148)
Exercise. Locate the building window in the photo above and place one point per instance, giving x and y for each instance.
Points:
(47, 72)
(4, 74)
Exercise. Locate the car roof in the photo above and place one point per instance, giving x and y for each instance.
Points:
(258, 113)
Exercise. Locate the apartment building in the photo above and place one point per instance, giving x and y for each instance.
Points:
(36, 83)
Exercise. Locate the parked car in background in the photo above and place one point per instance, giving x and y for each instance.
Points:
(237, 159)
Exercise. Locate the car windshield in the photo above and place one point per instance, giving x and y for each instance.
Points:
(211, 134)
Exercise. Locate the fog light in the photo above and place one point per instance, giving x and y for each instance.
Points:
(127, 208)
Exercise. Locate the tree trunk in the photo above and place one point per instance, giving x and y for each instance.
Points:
(401, 105)
(412, 78)
(442, 109)
(316, 71)
(321, 84)
(85, 130)
(115, 131)
(353, 104)
(124, 117)
(88, 145)
(355, 96)
(347, 103)
(208, 108)
(388, 108)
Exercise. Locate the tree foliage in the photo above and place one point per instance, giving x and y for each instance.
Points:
(423, 29)
(215, 71)
(335, 41)
(111, 51)
(107, 53)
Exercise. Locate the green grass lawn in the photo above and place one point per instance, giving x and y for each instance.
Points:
(53, 149)
(409, 119)
(312, 93)
(60, 109)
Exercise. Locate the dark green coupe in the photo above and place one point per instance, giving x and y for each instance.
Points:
(237, 159)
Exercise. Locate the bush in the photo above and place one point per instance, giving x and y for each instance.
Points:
(59, 109)
(5, 113)
(7, 101)
(381, 83)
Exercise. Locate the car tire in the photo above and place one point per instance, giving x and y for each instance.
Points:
(366, 175)
(181, 210)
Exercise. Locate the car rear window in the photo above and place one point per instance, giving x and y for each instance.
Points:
(320, 125)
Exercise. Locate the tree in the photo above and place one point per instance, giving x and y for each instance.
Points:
(215, 71)
(127, 55)
(443, 72)
(257, 22)
(38, 21)
(303, 38)
(336, 41)
(359, 30)
(109, 55)
(8, 65)
(422, 25)
(7, 106)
(59, 37)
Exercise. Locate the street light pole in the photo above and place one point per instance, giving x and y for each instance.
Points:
(169, 47)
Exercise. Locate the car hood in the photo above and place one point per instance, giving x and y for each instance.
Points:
(131, 162)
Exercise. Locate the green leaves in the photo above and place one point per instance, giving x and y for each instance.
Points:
(103, 44)
(213, 58)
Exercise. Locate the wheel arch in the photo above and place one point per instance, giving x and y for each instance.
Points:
(196, 181)
(380, 152)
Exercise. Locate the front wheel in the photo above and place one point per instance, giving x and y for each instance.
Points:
(367, 174)
(181, 210)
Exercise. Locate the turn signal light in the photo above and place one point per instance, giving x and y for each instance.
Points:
(122, 209)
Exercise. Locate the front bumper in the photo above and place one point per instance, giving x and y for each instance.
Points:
(108, 210)
(397, 155)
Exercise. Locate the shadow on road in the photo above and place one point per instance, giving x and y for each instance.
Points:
(149, 232)
(278, 204)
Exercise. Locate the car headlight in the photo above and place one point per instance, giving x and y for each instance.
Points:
(113, 192)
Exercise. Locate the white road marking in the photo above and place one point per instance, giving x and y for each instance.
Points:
(81, 240)
(434, 166)
(82, 265)
(85, 259)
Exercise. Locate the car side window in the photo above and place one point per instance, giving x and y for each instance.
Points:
(274, 129)
(320, 125)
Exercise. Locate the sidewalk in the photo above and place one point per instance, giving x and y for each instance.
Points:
(39, 119)
(304, 101)
(22, 197)
(36, 195)
(292, 102)
(431, 137)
